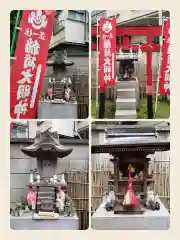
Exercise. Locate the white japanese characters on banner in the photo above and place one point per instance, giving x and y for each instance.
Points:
(165, 63)
(29, 66)
(107, 53)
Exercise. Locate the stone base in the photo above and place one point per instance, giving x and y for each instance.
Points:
(121, 210)
(27, 223)
(149, 220)
(55, 109)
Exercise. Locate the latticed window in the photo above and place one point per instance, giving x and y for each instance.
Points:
(58, 22)
(19, 131)
(58, 26)
(78, 16)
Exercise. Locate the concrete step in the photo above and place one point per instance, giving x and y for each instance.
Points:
(126, 104)
(126, 93)
(125, 114)
(126, 84)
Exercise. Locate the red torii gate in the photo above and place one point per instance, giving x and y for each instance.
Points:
(147, 47)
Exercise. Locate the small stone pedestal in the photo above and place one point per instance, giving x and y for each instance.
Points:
(56, 109)
(27, 223)
(149, 220)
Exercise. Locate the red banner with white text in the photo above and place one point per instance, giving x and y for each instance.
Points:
(107, 52)
(164, 87)
(27, 72)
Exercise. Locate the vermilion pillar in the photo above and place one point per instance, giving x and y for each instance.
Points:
(149, 85)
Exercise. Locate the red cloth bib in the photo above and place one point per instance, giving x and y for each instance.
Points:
(50, 92)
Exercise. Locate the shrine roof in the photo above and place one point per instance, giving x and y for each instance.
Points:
(132, 137)
(46, 144)
(149, 145)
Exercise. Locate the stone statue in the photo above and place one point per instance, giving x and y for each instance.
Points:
(17, 210)
(151, 201)
(69, 209)
(110, 202)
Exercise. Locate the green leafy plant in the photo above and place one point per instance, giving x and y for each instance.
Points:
(24, 202)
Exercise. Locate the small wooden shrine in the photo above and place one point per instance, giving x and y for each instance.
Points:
(44, 185)
(130, 146)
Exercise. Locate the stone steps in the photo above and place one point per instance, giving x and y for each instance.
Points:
(126, 93)
(125, 104)
(125, 114)
(126, 84)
